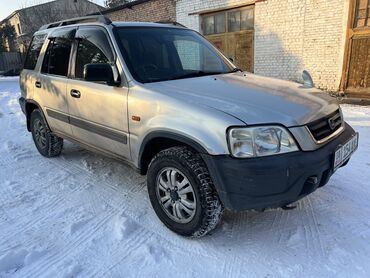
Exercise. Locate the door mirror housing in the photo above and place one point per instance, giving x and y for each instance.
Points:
(99, 73)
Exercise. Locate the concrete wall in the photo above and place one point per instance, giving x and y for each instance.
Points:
(290, 35)
(152, 11)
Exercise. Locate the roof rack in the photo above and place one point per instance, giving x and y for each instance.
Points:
(171, 23)
(84, 19)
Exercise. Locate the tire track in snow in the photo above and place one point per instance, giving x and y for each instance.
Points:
(126, 248)
(70, 247)
(274, 237)
(29, 220)
(314, 227)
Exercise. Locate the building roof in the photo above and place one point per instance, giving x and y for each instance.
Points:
(123, 6)
(38, 5)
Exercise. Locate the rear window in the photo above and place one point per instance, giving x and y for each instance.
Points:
(57, 57)
(34, 52)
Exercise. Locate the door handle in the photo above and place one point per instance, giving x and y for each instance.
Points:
(75, 94)
(38, 84)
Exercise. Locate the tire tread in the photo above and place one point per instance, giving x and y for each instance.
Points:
(211, 203)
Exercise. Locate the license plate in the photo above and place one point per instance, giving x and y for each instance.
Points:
(344, 152)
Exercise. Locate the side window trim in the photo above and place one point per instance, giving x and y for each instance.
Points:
(114, 61)
(49, 40)
(43, 37)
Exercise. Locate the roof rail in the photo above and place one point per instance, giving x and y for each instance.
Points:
(171, 23)
(84, 19)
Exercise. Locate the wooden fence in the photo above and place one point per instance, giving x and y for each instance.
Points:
(11, 61)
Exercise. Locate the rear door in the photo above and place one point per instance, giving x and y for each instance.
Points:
(51, 82)
(29, 72)
(98, 112)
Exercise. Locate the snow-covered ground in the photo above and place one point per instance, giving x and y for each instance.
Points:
(83, 215)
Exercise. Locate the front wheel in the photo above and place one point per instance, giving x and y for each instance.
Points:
(182, 192)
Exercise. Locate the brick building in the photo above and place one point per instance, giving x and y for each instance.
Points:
(22, 23)
(331, 39)
(144, 10)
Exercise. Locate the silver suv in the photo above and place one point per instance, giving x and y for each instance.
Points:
(161, 98)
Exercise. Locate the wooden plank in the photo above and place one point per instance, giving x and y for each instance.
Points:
(356, 68)
(10, 61)
(240, 47)
(228, 7)
(359, 69)
(219, 41)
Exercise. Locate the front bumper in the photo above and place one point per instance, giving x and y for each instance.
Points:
(273, 181)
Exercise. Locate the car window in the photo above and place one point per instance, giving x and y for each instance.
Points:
(34, 52)
(93, 48)
(57, 57)
(196, 58)
(160, 54)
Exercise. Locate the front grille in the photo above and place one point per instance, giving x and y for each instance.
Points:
(324, 127)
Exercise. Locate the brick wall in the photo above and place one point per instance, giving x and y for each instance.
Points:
(151, 11)
(295, 35)
(194, 7)
(290, 35)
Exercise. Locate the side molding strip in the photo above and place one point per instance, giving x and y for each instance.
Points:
(58, 116)
(105, 132)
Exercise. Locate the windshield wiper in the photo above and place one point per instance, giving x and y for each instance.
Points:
(236, 70)
(195, 74)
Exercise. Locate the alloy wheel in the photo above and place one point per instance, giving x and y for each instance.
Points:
(176, 195)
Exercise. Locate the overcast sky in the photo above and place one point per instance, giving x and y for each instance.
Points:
(9, 6)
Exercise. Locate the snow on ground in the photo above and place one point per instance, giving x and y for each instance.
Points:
(83, 215)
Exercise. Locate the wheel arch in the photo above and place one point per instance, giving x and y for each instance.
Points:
(157, 141)
(30, 106)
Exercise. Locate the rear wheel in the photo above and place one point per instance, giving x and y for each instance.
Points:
(46, 143)
(182, 192)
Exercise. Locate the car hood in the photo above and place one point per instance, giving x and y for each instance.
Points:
(251, 98)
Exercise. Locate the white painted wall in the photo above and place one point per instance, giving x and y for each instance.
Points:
(290, 35)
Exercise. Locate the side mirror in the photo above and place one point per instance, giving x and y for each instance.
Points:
(307, 80)
(99, 73)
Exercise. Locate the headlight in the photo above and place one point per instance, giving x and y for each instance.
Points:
(260, 141)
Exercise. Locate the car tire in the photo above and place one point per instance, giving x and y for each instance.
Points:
(46, 143)
(180, 176)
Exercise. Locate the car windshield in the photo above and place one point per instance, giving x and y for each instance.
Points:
(155, 54)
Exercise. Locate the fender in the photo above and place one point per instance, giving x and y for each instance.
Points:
(28, 114)
(168, 135)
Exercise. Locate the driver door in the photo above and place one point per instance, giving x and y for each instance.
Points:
(98, 112)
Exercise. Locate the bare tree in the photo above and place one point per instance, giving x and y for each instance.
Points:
(7, 35)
